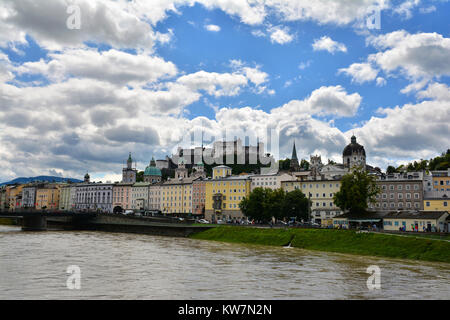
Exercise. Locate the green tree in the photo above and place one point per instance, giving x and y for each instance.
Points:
(358, 189)
(390, 170)
(274, 203)
(263, 204)
(296, 205)
(140, 176)
(304, 164)
(253, 207)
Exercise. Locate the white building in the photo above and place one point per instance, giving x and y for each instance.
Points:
(139, 196)
(270, 181)
(94, 196)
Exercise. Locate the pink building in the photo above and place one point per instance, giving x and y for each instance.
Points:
(198, 196)
(122, 196)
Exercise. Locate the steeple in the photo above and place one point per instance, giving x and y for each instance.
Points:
(129, 162)
(294, 153)
(294, 160)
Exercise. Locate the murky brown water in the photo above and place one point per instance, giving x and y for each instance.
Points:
(128, 266)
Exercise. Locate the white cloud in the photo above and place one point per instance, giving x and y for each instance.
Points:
(258, 33)
(436, 91)
(216, 84)
(405, 8)
(421, 55)
(429, 9)
(332, 100)
(360, 72)
(381, 82)
(113, 66)
(212, 28)
(280, 35)
(339, 12)
(327, 44)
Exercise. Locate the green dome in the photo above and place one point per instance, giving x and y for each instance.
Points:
(152, 171)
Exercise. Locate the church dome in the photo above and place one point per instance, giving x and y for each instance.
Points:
(152, 171)
(354, 148)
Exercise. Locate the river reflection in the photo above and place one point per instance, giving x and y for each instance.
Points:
(129, 266)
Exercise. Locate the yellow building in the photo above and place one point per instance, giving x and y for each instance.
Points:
(419, 221)
(224, 193)
(321, 193)
(436, 204)
(441, 180)
(15, 197)
(47, 198)
(221, 172)
(176, 196)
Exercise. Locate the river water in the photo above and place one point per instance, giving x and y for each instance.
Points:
(129, 266)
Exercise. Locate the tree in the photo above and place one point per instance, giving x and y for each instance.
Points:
(140, 176)
(358, 188)
(390, 170)
(262, 204)
(304, 164)
(296, 205)
(274, 203)
(253, 207)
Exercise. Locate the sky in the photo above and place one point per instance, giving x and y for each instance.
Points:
(85, 82)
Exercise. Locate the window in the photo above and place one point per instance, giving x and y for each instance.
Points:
(427, 203)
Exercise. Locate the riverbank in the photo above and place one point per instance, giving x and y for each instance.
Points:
(341, 241)
(7, 222)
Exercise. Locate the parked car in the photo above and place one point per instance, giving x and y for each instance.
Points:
(203, 221)
(128, 212)
(221, 222)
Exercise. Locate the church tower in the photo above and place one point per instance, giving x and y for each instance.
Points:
(181, 172)
(354, 155)
(294, 160)
(129, 173)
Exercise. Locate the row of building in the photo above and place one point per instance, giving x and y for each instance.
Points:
(218, 197)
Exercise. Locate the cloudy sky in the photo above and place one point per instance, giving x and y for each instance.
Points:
(142, 75)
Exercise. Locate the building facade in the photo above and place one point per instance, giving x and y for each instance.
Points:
(398, 193)
(29, 196)
(94, 197)
(47, 198)
(122, 196)
(139, 195)
(436, 204)
(270, 181)
(154, 196)
(418, 221)
(198, 196)
(320, 193)
(224, 193)
(176, 196)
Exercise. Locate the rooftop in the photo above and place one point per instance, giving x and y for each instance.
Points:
(415, 214)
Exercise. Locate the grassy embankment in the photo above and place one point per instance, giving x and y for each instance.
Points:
(342, 241)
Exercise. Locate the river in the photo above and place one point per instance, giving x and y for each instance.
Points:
(33, 265)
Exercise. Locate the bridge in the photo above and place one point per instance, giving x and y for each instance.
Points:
(41, 221)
